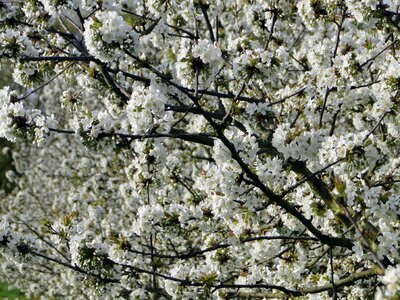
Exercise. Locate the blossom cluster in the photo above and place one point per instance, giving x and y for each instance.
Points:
(200, 149)
(18, 121)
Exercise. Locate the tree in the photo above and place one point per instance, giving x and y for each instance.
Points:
(201, 150)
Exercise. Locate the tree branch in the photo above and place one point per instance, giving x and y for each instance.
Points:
(199, 138)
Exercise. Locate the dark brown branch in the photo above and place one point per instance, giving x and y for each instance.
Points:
(332, 274)
(41, 237)
(333, 125)
(333, 241)
(47, 82)
(117, 90)
(349, 280)
(367, 245)
(191, 109)
(271, 31)
(278, 200)
(321, 116)
(340, 28)
(75, 268)
(376, 125)
(195, 253)
(386, 183)
(205, 14)
(199, 138)
(287, 97)
(58, 58)
(84, 59)
(186, 282)
(303, 291)
(311, 177)
(378, 54)
(328, 90)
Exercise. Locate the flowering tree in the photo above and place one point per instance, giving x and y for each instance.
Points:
(201, 150)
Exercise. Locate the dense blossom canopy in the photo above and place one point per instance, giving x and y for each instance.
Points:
(201, 149)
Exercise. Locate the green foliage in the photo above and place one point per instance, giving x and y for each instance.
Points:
(6, 293)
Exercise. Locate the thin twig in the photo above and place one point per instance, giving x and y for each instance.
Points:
(364, 239)
(312, 175)
(200, 138)
(376, 125)
(378, 54)
(332, 274)
(47, 82)
(209, 27)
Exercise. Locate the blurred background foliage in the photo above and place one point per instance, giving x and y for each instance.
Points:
(5, 165)
(5, 146)
(6, 187)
